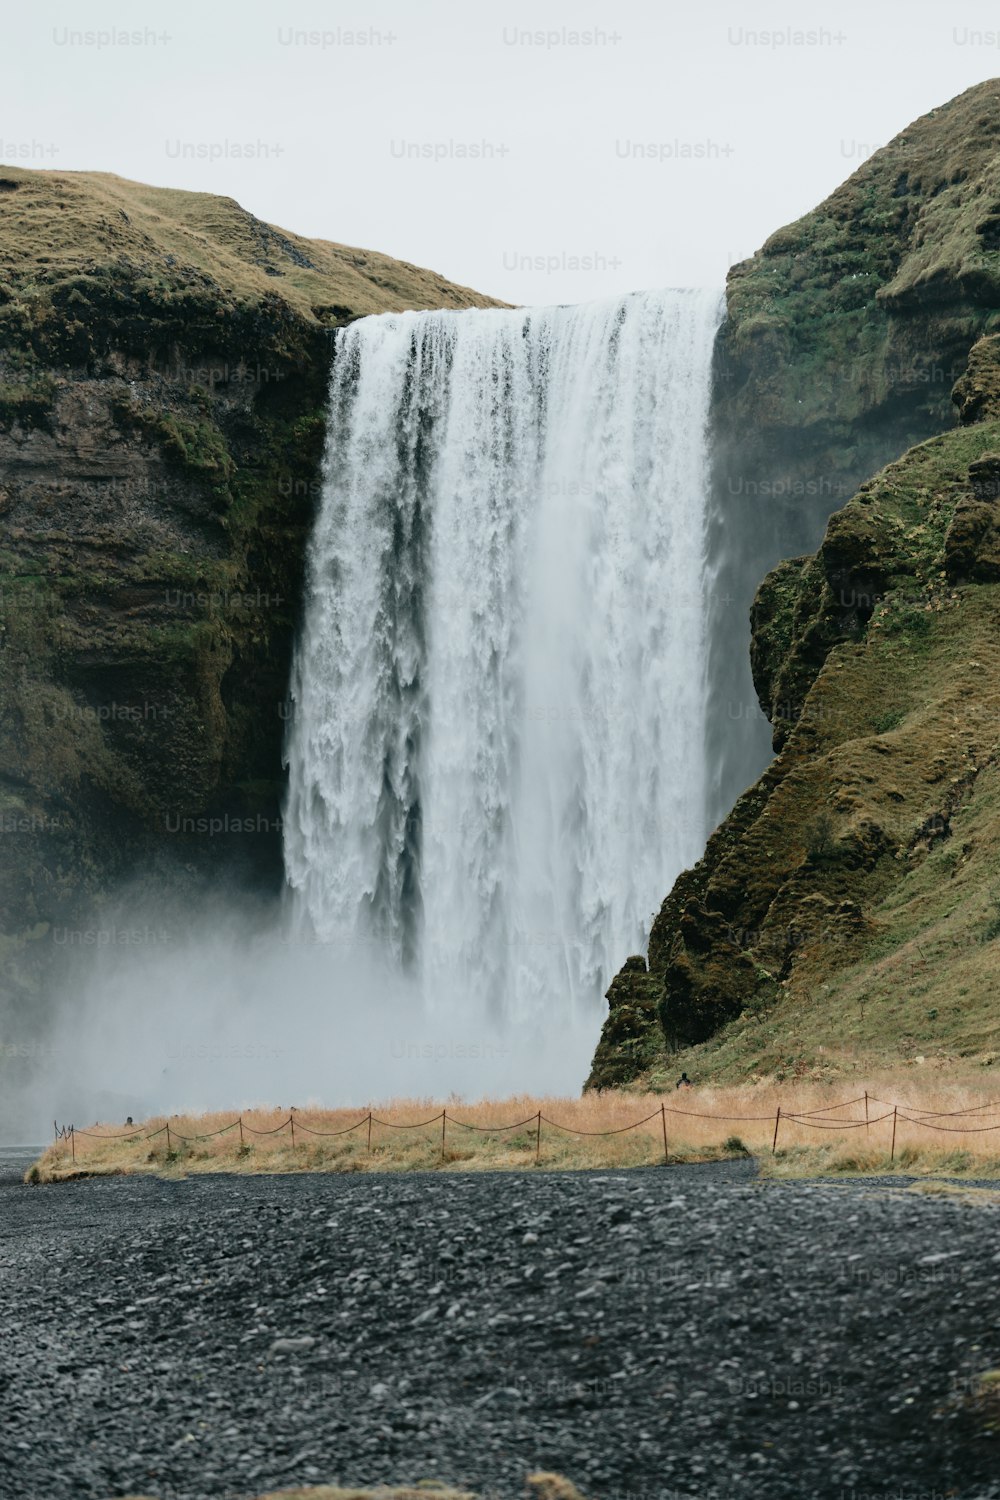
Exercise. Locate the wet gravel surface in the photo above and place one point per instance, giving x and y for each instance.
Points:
(658, 1334)
(14, 1162)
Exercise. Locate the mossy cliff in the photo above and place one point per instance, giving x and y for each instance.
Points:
(849, 328)
(846, 907)
(844, 337)
(164, 358)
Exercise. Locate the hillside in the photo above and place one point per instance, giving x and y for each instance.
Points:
(164, 359)
(95, 233)
(844, 336)
(848, 909)
(844, 907)
(849, 327)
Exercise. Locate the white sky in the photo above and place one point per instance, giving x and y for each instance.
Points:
(780, 125)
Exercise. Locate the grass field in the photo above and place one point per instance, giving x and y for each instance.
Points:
(942, 1126)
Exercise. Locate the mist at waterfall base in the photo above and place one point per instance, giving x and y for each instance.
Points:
(496, 753)
(171, 1011)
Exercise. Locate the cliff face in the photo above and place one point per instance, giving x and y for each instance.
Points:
(849, 328)
(848, 906)
(846, 337)
(164, 359)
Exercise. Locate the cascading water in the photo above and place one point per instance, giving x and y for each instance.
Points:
(495, 760)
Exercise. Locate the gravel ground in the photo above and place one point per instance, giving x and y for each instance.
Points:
(657, 1334)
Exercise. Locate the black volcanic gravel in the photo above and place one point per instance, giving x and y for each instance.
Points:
(655, 1334)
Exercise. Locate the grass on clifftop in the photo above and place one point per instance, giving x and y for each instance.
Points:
(917, 225)
(82, 231)
(703, 1124)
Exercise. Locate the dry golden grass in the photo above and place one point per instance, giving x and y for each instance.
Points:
(702, 1124)
(541, 1486)
(70, 222)
(335, 1492)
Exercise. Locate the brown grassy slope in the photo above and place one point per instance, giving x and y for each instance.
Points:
(66, 223)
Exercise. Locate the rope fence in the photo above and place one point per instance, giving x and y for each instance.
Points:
(897, 1113)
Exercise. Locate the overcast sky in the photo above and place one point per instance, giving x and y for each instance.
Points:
(536, 168)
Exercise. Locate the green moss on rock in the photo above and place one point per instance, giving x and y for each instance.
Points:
(810, 893)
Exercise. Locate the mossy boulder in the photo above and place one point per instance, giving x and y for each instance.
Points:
(632, 1039)
(977, 392)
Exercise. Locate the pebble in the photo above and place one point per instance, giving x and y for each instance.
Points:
(291, 1346)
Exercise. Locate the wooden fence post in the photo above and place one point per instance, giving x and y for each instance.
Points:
(444, 1123)
(168, 1137)
(663, 1118)
(291, 1121)
(538, 1138)
(241, 1131)
(777, 1122)
(867, 1126)
(72, 1141)
(892, 1153)
(369, 1132)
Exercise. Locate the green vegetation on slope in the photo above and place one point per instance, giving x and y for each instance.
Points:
(849, 337)
(844, 337)
(848, 910)
(821, 319)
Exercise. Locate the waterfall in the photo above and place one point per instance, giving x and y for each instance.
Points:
(495, 757)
